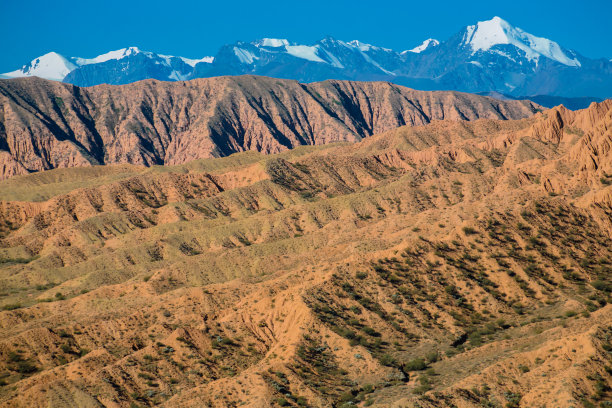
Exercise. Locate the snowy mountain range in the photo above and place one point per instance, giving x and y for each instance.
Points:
(115, 67)
(490, 56)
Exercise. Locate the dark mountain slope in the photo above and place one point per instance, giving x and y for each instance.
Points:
(46, 125)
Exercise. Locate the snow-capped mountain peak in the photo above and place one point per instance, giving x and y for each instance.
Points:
(365, 47)
(245, 56)
(489, 55)
(271, 42)
(428, 43)
(361, 46)
(486, 34)
(191, 61)
(111, 55)
(57, 67)
(307, 52)
(50, 66)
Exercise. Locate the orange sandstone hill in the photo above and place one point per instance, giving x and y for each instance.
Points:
(46, 125)
(455, 264)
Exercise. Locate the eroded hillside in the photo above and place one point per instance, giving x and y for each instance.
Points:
(453, 264)
(46, 125)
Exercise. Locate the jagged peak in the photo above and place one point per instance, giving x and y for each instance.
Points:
(51, 65)
(365, 46)
(111, 55)
(271, 42)
(486, 34)
(428, 43)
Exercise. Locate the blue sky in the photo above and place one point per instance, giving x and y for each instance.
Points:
(189, 28)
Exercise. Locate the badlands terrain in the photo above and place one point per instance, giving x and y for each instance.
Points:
(462, 262)
(46, 124)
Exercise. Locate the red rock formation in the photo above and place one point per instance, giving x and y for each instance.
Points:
(46, 125)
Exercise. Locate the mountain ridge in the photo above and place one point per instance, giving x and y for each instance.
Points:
(490, 56)
(56, 67)
(49, 124)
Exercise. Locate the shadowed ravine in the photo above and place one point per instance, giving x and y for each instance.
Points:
(48, 125)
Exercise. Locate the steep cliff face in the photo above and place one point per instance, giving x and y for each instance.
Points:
(46, 125)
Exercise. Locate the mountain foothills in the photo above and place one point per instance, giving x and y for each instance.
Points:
(490, 56)
(454, 264)
(46, 125)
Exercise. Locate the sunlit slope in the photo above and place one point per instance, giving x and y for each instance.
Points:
(450, 264)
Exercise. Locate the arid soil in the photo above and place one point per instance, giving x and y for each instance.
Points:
(454, 264)
(46, 125)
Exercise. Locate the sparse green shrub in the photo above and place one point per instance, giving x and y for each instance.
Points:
(418, 364)
(219, 342)
(570, 313)
(432, 357)
(469, 231)
(513, 399)
(14, 357)
(425, 385)
(602, 285)
(368, 388)
(63, 334)
(370, 331)
(387, 360)
(26, 367)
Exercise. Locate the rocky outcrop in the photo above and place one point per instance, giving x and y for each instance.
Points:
(46, 125)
